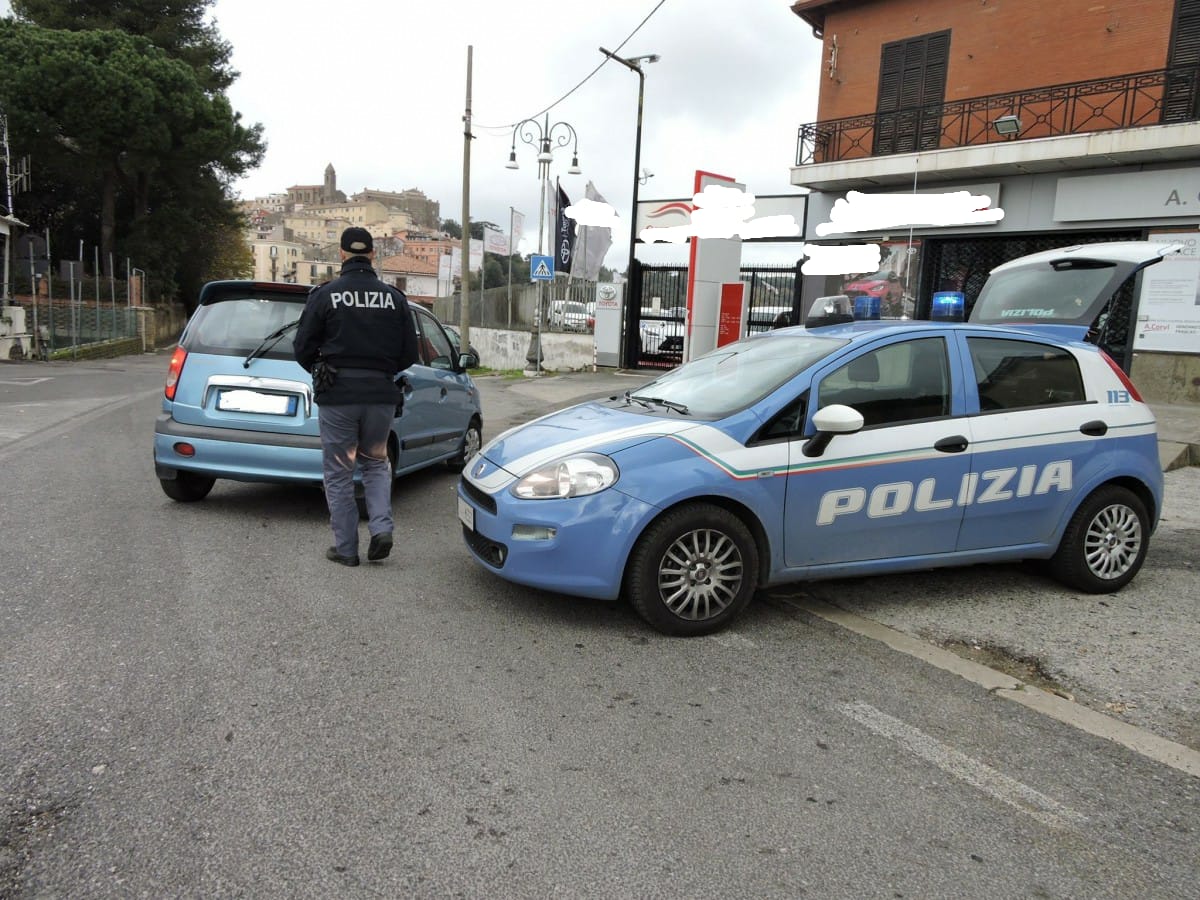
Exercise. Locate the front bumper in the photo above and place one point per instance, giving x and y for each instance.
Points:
(585, 557)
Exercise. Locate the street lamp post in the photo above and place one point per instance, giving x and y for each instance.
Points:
(546, 138)
(634, 64)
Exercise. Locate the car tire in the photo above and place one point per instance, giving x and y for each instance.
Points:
(1105, 542)
(187, 487)
(472, 440)
(693, 570)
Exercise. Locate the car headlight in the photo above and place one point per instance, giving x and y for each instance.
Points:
(574, 476)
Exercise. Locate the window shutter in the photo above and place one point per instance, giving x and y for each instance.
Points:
(1180, 102)
(912, 87)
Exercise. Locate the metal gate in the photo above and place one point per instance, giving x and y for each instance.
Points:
(655, 315)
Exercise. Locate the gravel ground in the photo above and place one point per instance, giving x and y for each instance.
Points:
(1134, 655)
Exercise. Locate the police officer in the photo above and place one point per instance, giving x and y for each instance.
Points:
(355, 336)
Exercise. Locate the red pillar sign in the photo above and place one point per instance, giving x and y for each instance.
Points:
(731, 321)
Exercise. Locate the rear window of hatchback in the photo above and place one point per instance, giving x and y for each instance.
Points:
(234, 320)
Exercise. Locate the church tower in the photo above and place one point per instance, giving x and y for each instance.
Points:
(329, 194)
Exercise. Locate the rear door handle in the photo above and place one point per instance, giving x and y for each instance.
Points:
(953, 444)
(1095, 428)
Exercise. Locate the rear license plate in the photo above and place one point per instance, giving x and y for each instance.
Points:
(257, 402)
(466, 513)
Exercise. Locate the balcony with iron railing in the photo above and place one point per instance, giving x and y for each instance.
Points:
(1138, 100)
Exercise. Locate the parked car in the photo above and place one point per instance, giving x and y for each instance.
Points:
(455, 336)
(568, 315)
(661, 331)
(807, 453)
(237, 405)
(884, 286)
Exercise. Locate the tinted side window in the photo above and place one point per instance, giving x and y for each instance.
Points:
(789, 422)
(897, 383)
(436, 349)
(1019, 374)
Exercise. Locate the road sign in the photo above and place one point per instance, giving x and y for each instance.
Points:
(541, 268)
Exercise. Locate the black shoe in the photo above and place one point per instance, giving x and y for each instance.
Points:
(332, 554)
(381, 546)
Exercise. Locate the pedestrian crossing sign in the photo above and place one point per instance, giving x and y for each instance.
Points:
(541, 268)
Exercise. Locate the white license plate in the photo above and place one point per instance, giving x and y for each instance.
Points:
(257, 402)
(466, 513)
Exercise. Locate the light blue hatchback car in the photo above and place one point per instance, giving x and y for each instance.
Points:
(237, 405)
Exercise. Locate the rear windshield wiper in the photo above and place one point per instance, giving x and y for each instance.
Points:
(268, 342)
(669, 404)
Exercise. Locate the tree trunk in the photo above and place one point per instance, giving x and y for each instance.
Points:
(108, 219)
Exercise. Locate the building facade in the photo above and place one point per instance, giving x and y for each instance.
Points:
(1079, 120)
(425, 213)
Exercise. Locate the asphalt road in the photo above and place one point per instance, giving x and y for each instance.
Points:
(196, 704)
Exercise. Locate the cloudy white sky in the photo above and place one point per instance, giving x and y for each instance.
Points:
(378, 89)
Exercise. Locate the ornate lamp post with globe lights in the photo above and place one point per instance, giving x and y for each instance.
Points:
(546, 138)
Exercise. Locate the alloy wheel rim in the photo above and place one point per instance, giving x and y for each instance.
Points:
(700, 574)
(1112, 542)
(471, 444)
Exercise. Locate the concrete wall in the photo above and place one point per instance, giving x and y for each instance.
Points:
(1172, 378)
(507, 350)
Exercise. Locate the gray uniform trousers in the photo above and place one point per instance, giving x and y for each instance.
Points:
(353, 434)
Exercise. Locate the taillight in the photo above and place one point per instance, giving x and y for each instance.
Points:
(174, 370)
(1112, 364)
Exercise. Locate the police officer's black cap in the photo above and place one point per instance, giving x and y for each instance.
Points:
(357, 240)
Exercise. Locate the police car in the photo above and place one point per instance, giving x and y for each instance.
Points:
(238, 406)
(818, 452)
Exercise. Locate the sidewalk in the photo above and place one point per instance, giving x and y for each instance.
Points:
(1178, 426)
(1178, 435)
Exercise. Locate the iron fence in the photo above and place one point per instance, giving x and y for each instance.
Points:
(1106, 104)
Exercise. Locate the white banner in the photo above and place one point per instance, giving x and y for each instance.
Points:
(476, 261)
(1168, 317)
(518, 226)
(495, 241)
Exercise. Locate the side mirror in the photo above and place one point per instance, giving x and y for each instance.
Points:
(831, 420)
(468, 361)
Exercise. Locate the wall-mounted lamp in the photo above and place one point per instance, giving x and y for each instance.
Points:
(1007, 125)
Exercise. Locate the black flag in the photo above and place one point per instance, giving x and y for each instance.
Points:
(564, 234)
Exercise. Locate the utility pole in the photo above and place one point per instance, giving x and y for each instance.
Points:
(464, 321)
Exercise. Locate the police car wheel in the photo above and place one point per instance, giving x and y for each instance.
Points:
(693, 570)
(1105, 543)
(471, 442)
(187, 487)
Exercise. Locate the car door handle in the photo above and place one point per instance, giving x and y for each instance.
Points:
(954, 444)
(1095, 428)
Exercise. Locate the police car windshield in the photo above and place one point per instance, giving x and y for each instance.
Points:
(732, 377)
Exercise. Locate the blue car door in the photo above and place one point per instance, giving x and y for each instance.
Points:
(1034, 433)
(437, 405)
(891, 489)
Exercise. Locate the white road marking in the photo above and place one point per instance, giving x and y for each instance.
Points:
(24, 381)
(979, 775)
(1139, 740)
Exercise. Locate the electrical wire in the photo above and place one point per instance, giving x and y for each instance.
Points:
(499, 129)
